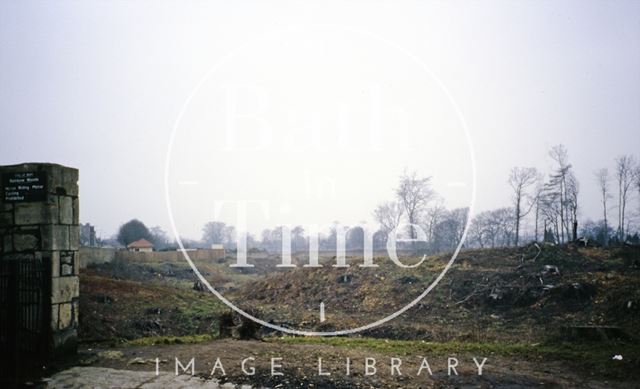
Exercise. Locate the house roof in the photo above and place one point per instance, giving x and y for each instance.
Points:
(140, 244)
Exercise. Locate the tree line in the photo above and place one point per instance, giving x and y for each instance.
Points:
(552, 205)
(547, 204)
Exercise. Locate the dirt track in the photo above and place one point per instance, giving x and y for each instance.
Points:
(300, 367)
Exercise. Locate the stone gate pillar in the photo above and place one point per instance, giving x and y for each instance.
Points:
(39, 220)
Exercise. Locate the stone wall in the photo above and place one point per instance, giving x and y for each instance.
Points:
(170, 256)
(42, 223)
(98, 255)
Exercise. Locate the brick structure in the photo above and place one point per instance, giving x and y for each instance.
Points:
(39, 214)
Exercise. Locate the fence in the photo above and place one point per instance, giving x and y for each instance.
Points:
(25, 314)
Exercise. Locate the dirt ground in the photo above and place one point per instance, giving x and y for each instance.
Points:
(299, 365)
(512, 306)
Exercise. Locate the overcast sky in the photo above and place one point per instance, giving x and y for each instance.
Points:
(334, 95)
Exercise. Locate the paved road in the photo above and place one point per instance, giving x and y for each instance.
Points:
(105, 378)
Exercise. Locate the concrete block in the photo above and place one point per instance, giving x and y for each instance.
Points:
(66, 257)
(63, 180)
(76, 263)
(25, 241)
(55, 264)
(70, 179)
(55, 237)
(64, 289)
(76, 210)
(75, 320)
(66, 269)
(6, 218)
(7, 244)
(74, 237)
(35, 213)
(65, 204)
(54, 317)
(65, 316)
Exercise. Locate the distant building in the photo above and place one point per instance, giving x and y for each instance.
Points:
(87, 235)
(141, 245)
(218, 250)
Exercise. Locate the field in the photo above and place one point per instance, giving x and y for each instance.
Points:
(546, 315)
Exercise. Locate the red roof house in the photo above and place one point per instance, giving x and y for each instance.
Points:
(140, 245)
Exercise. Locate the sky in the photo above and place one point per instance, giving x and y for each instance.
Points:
(311, 110)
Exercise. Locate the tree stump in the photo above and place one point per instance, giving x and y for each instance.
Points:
(236, 326)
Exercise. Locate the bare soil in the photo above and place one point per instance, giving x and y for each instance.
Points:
(300, 367)
(525, 309)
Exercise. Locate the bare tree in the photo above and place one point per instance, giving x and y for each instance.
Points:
(414, 193)
(602, 177)
(431, 217)
(388, 214)
(492, 228)
(448, 232)
(558, 184)
(520, 180)
(503, 218)
(214, 233)
(230, 237)
(550, 210)
(478, 234)
(297, 238)
(638, 180)
(559, 180)
(266, 238)
(159, 237)
(538, 193)
(625, 166)
(461, 216)
(573, 189)
(272, 239)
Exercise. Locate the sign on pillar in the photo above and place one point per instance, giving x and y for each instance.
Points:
(39, 242)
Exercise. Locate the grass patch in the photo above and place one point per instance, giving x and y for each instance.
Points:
(153, 340)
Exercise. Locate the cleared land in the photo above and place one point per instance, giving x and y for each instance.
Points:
(529, 312)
